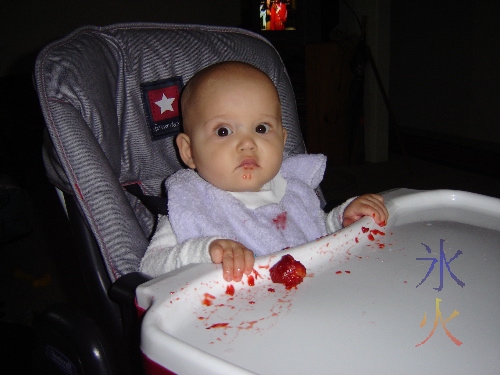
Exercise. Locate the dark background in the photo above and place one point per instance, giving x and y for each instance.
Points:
(444, 88)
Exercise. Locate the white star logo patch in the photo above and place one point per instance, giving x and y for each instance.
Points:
(165, 104)
(160, 101)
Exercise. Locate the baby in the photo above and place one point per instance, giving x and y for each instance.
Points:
(239, 197)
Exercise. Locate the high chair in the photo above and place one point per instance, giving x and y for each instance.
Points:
(109, 146)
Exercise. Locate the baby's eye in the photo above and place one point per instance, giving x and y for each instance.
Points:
(223, 131)
(262, 128)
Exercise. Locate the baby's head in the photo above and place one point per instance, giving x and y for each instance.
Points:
(233, 135)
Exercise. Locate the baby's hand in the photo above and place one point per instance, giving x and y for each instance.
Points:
(236, 259)
(366, 205)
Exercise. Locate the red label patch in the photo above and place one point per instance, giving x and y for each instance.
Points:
(161, 106)
(164, 103)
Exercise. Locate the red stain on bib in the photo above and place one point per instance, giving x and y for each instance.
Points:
(280, 221)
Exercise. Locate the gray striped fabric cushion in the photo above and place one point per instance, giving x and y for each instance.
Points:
(89, 89)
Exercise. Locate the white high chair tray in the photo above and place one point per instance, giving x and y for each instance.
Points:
(420, 295)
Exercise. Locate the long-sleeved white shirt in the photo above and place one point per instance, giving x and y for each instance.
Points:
(165, 254)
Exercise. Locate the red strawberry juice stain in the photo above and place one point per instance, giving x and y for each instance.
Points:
(247, 176)
(370, 237)
(218, 325)
(230, 290)
(270, 290)
(376, 231)
(251, 280)
(256, 274)
(280, 221)
(381, 245)
(249, 325)
(356, 239)
(207, 301)
(364, 229)
(338, 272)
(347, 271)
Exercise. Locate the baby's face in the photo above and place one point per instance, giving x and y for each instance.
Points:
(235, 131)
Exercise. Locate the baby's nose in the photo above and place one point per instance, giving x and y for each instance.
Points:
(247, 142)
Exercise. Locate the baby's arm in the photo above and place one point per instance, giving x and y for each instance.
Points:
(366, 205)
(236, 259)
(164, 254)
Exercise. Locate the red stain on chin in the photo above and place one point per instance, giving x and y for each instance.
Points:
(280, 221)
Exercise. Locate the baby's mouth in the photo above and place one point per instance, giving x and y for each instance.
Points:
(249, 163)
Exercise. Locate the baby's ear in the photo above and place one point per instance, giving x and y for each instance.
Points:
(184, 145)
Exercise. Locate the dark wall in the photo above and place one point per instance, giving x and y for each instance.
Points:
(445, 77)
(26, 26)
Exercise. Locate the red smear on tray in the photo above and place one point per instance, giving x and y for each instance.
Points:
(256, 274)
(207, 301)
(251, 280)
(230, 290)
(218, 325)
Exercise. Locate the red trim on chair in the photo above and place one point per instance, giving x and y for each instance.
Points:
(153, 368)
(139, 309)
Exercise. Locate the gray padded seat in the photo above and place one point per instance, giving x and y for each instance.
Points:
(99, 141)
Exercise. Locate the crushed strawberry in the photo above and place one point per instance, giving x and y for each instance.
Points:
(288, 271)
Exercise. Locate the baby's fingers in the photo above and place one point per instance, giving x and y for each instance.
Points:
(379, 211)
(236, 259)
(366, 205)
(240, 261)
